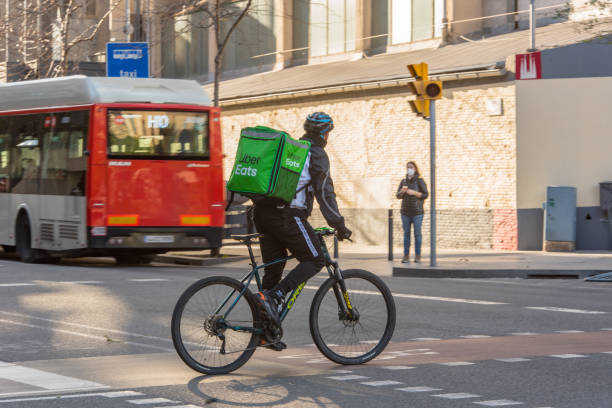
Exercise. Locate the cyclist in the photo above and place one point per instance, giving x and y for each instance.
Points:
(285, 226)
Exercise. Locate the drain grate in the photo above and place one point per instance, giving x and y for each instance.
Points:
(602, 277)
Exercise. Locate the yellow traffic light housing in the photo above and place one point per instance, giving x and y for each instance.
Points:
(424, 89)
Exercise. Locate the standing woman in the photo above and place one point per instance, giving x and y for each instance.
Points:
(413, 192)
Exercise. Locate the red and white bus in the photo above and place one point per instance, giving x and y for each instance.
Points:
(118, 167)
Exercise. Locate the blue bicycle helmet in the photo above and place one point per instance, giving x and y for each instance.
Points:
(318, 123)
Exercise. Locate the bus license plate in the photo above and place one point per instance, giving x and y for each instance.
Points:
(159, 239)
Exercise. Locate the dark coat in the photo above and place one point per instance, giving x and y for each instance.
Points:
(412, 205)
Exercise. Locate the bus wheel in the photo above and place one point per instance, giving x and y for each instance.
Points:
(23, 241)
(134, 259)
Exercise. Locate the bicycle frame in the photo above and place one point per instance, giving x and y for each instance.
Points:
(344, 303)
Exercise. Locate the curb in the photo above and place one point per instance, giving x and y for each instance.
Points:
(197, 260)
(494, 273)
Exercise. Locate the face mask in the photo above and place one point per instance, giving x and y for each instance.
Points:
(410, 172)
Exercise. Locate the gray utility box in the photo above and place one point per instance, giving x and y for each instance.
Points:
(560, 219)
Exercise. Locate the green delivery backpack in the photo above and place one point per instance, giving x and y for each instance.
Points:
(268, 164)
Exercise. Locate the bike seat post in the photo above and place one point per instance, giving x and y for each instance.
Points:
(248, 244)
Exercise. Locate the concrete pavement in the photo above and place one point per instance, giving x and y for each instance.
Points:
(451, 263)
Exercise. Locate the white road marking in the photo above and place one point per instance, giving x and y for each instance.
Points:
(607, 352)
(397, 367)
(85, 326)
(512, 360)
(90, 336)
(569, 331)
(180, 406)
(475, 336)
(607, 329)
(418, 389)
(381, 383)
(81, 282)
(4, 285)
(524, 334)
(425, 339)
(568, 355)
(149, 280)
(498, 403)
(112, 394)
(340, 371)
(370, 341)
(457, 395)
(565, 310)
(456, 363)
(299, 355)
(46, 380)
(151, 401)
(117, 394)
(347, 377)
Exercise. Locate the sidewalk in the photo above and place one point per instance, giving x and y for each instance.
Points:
(451, 263)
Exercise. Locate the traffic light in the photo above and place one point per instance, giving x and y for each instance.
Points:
(424, 89)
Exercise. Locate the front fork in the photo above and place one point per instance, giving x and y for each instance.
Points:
(345, 308)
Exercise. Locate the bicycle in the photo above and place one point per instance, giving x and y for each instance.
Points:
(217, 325)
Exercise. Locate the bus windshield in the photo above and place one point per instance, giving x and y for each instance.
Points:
(158, 134)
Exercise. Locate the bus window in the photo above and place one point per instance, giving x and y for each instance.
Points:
(64, 163)
(158, 134)
(5, 143)
(25, 154)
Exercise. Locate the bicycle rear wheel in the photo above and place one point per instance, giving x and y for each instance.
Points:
(357, 340)
(201, 316)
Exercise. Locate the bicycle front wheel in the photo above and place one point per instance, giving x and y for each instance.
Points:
(355, 339)
(202, 318)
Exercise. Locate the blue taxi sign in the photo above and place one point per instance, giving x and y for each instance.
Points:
(127, 60)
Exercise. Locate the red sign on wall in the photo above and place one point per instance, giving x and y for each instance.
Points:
(529, 66)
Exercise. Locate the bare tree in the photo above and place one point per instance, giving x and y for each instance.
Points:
(223, 16)
(597, 16)
(49, 36)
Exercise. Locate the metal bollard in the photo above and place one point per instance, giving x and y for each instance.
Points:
(335, 247)
(390, 235)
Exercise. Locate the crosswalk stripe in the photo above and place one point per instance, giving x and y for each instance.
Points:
(381, 383)
(397, 367)
(418, 389)
(146, 401)
(15, 284)
(457, 395)
(347, 377)
(456, 363)
(567, 355)
(512, 360)
(43, 379)
(498, 403)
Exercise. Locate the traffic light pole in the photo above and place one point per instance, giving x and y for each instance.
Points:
(432, 175)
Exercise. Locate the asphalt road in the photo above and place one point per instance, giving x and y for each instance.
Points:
(91, 333)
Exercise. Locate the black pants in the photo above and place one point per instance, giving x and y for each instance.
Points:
(287, 229)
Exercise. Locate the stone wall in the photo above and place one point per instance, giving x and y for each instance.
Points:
(376, 134)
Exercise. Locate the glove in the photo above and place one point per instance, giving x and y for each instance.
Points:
(343, 232)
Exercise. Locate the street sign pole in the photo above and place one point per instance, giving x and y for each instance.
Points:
(432, 175)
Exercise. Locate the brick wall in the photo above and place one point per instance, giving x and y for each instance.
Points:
(375, 135)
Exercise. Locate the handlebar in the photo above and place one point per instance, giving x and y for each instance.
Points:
(326, 231)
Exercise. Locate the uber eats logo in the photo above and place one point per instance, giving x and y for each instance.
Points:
(247, 160)
(292, 161)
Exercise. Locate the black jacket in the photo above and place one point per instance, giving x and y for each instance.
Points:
(321, 184)
(412, 205)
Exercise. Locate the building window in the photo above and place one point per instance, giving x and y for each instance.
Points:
(90, 9)
(415, 20)
(332, 26)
